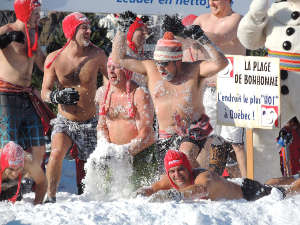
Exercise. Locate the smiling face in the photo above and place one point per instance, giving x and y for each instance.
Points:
(83, 34)
(167, 69)
(180, 176)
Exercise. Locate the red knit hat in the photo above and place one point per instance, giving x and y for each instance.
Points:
(176, 158)
(168, 48)
(23, 10)
(188, 20)
(69, 25)
(133, 27)
(12, 156)
(128, 75)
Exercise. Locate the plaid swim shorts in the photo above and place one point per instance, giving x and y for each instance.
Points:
(83, 134)
(19, 121)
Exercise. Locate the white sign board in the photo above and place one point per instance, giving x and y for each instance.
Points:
(248, 92)
(147, 7)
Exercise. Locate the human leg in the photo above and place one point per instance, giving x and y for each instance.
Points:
(192, 151)
(59, 146)
(236, 137)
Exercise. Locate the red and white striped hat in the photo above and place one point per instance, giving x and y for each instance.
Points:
(168, 48)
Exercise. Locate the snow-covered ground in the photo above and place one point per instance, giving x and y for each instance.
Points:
(73, 209)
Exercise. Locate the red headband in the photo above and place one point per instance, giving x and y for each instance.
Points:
(23, 10)
(176, 158)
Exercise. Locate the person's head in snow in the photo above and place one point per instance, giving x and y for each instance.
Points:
(174, 85)
(14, 163)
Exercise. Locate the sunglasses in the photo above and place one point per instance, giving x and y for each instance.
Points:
(162, 64)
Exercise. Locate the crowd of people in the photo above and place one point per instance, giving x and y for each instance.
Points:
(176, 88)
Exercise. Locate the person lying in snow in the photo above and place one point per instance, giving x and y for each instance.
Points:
(202, 184)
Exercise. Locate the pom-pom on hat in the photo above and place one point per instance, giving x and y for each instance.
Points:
(23, 10)
(176, 158)
(133, 27)
(168, 48)
(69, 25)
(12, 156)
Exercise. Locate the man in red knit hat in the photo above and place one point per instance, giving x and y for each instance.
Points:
(73, 69)
(202, 184)
(174, 86)
(19, 50)
(14, 163)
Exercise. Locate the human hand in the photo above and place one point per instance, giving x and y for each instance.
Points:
(125, 20)
(67, 96)
(145, 191)
(196, 33)
(259, 9)
(172, 24)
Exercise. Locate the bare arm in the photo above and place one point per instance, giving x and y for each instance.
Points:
(36, 173)
(40, 58)
(49, 79)
(119, 55)
(162, 184)
(144, 121)
(103, 62)
(102, 130)
(215, 63)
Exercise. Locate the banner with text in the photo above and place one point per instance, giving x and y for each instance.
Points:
(248, 92)
(147, 7)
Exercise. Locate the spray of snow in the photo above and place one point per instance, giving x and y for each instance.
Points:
(108, 172)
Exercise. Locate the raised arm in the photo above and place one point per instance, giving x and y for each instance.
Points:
(216, 62)
(119, 48)
(36, 173)
(144, 121)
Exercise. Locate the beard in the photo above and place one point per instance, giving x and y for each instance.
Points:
(167, 76)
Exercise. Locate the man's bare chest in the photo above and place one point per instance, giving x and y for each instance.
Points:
(119, 106)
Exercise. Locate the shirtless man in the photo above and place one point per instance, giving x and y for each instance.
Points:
(220, 25)
(74, 69)
(14, 163)
(19, 50)
(174, 86)
(126, 113)
(202, 184)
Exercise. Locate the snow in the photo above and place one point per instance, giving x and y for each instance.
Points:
(130, 209)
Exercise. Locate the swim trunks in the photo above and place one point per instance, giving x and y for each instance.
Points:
(253, 190)
(83, 134)
(19, 121)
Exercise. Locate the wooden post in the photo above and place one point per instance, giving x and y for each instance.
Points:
(250, 154)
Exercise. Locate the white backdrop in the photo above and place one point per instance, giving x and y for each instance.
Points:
(150, 7)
